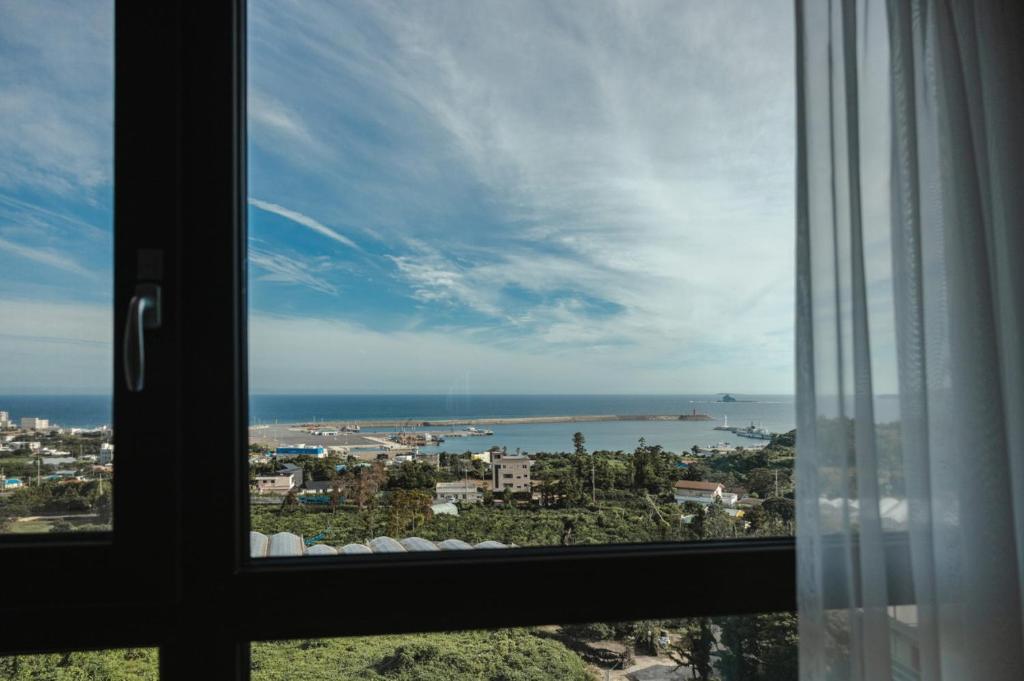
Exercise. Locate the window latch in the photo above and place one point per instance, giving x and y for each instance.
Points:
(143, 313)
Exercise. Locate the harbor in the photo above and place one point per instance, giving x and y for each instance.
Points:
(752, 431)
(396, 437)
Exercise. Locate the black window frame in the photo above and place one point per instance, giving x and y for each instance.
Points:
(177, 564)
(128, 569)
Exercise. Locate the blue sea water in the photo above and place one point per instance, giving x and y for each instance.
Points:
(774, 412)
(79, 411)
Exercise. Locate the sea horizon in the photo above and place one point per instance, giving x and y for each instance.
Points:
(774, 412)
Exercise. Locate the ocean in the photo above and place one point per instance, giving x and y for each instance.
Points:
(70, 411)
(774, 412)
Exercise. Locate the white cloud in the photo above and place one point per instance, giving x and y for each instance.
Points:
(14, 210)
(305, 354)
(271, 117)
(57, 97)
(304, 220)
(285, 269)
(44, 256)
(634, 164)
(55, 347)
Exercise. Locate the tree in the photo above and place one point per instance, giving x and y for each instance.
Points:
(363, 482)
(570, 489)
(407, 510)
(762, 481)
(693, 649)
(291, 501)
(758, 647)
(579, 448)
(318, 469)
(783, 440)
(781, 508)
(651, 468)
(713, 522)
(412, 475)
(336, 495)
(697, 472)
(645, 635)
(579, 444)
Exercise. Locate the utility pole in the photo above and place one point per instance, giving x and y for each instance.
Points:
(776, 482)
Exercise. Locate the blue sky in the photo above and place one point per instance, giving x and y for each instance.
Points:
(564, 197)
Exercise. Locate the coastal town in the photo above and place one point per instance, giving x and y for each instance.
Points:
(370, 474)
(342, 489)
(386, 486)
(54, 478)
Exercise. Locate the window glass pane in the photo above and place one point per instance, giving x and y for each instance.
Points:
(506, 259)
(747, 648)
(56, 283)
(126, 664)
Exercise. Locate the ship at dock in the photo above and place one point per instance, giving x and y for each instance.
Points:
(694, 415)
(752, 432)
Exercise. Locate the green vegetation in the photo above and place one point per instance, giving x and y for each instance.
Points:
(609, 522)
(90, 499)
(506, 655)
(581, 498)
(748, 648)
(129, 664)
(758, 647)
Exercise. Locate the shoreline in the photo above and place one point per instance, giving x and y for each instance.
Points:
(484, 421)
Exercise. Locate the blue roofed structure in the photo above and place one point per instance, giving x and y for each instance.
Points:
(301, 450)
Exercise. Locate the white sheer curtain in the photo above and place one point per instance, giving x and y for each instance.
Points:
(910, 466)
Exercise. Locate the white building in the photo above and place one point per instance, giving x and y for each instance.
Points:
(703, 493)
(21, 444)
(33, 423)
(5, 419)
(465, 491)
(279, 483)
(106, 453)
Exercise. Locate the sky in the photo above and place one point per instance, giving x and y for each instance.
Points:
(478, 197)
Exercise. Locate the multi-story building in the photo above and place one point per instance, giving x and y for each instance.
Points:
(106, 453)
(33, 423)
(510, 471)
(5, 419)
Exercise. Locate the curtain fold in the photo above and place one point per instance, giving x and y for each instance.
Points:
(910, 315)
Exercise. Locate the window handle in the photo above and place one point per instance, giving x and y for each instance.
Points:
(143, 313)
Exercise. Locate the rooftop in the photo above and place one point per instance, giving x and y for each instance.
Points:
(286, 544)
(459, 485)
(695, 484)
